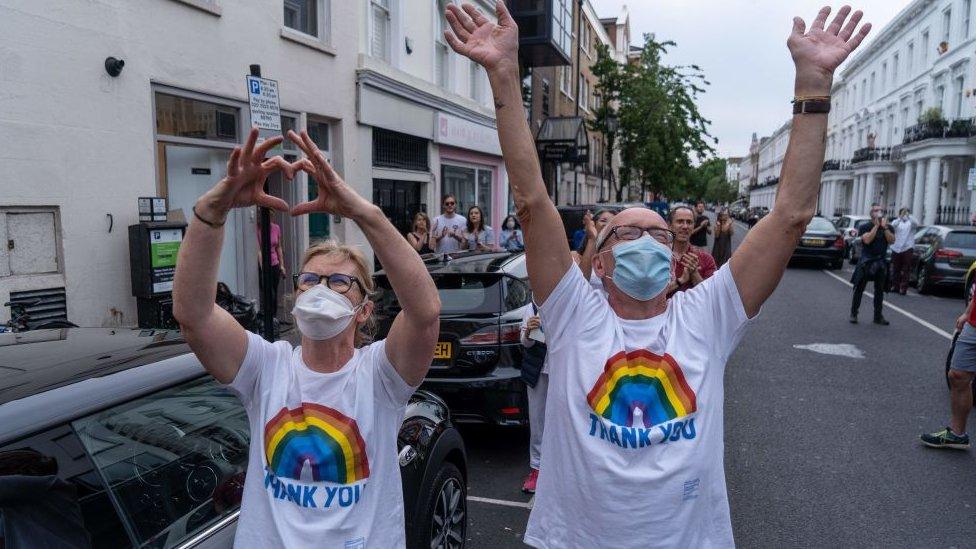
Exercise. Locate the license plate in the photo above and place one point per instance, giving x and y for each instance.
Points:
(814, 242)
(442, 350)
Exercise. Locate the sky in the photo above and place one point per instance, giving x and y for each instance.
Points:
(741, 47)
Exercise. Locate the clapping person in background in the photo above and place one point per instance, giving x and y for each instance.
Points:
(448, 229)
(419, 236)
(511, 236)
(478, 236)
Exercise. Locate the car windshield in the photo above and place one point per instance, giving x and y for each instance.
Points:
(820, 225)
(961, 239)
(459, 293)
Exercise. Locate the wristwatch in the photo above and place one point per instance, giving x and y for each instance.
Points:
(819, 105)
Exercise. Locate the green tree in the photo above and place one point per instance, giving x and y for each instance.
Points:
(610, 79)
(661, 129)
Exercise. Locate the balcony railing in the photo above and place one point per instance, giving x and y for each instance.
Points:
(962, 127)
(833, 165)
(871, 154)
(841, 211)
(952, 215)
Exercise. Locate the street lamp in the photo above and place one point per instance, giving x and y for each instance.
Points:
(612, 124)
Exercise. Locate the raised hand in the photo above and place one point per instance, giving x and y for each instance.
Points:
(818, 52)
(247, 169)
(590, 226)
(335, 196)
(478, 38)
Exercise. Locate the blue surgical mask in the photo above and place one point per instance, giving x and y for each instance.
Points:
(642, 267)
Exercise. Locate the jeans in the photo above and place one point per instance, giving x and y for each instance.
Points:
(901, 264)
(879, 278)
(537, 418)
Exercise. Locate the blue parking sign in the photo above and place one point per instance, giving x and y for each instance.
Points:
(256, 87)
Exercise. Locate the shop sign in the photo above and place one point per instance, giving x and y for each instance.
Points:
(265, 108)
(458, 132)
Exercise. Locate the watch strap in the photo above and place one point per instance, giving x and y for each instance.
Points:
(811, 106)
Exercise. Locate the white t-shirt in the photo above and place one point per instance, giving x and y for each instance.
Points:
(322, 469)
(457, 223)
(633, 446)
(904, 230)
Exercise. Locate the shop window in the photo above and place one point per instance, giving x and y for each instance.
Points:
(472, 186)
(399, 150)
(29, 238)
(193, 118)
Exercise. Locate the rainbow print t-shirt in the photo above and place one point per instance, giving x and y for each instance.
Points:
(632, 453)
(322, 465)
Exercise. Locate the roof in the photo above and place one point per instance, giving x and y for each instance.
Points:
(41, 360)
(475, 262)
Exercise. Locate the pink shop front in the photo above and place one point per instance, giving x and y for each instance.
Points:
(471, 168)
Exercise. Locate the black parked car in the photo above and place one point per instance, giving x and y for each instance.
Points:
(119, 438)
(821, 242)
(941, 257)
(477, 362)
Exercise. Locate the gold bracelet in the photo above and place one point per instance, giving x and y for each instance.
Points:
(800, 98)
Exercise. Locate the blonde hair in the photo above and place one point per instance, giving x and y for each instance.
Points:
(334, 250)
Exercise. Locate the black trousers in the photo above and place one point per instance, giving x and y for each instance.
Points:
(879, 277)
(274, 288)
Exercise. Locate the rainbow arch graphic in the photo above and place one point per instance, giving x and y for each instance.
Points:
(641, 380)
(325, 439)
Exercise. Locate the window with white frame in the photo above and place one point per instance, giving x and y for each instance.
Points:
(585, 42)
(310, 17)
(584, 94)
(925, 48)
(910, 59)
(939, 99)
(380, 28)
(960, 90)
(442, 53)
(475, 79)
(566, 81)
(873, 94)
(894, 70)
(946, 24)
(884, 77)
(967, 6)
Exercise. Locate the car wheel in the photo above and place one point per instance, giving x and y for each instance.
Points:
(836, 265)
(442, 511)
(922, 281)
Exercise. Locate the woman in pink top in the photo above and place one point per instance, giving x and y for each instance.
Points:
(277, 266)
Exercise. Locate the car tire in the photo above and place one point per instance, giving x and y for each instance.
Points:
(836, 265)
(441, 515)
(921, 281)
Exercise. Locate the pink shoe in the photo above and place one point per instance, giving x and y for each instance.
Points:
(529, 485)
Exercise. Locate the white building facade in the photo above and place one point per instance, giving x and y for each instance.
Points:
(82, 146)
(426, 123)
(769, 157)
(901, 124)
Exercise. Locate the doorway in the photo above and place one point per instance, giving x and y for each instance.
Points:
(399, 200)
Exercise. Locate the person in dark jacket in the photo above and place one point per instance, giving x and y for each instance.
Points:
(875, 236)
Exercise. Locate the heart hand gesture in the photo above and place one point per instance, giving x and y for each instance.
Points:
(247, 168)
(335, 195)
(819, 52)
(475, 36)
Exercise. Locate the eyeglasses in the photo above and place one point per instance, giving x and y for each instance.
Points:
(631, 232)
(450, 203)
(337, 282)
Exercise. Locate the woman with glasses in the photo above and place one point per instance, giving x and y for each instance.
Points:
(419, 235)
(477, 235)
(324, 416)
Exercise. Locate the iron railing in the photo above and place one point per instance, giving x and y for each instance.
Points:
(835, 165)
(942, 129)
(841, 211)
(871, 154)
(953, 215)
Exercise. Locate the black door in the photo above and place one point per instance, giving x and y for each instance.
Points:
(399, 200)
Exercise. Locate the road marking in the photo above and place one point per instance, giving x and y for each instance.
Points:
(506, 503)
(898, 309)
(837, 349)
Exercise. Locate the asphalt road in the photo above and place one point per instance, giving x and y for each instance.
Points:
(821, 450)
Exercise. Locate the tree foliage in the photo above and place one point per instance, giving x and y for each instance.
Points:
(660, 129)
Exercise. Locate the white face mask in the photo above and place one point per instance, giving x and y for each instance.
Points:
(510, 224)
(322, 313)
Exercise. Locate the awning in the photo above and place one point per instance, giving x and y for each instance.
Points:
(563, 139)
